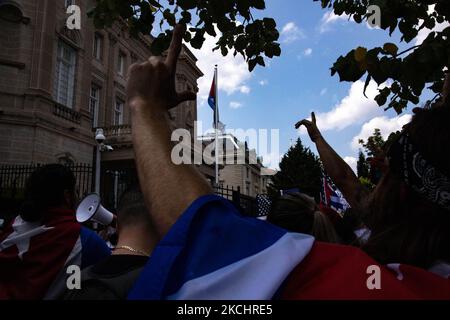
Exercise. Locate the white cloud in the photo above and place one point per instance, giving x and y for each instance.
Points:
(263, 83)
(352, 162)
(355, 108)
(235, 105)
(323, 91)
(423, 34)
(308, 52)
(272, 160)
(233, 71)
(245, 89)
(385, 124)
(330, 18)
(291, 33)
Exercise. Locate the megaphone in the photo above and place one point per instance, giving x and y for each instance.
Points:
(91, 209)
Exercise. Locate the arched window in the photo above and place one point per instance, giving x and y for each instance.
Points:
(11, 19)
(10, 11)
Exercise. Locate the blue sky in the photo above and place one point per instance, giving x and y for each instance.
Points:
(298, 82)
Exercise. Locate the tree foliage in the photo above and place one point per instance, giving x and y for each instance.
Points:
(299, 168)
(401, 76)
(374, 148)
(240, 31)
(374, 145)
(409, 71)
(362, 166)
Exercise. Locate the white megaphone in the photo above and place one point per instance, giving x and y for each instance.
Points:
(91, 209)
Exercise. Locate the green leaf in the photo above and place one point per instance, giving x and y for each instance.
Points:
(258, 4)
(360, 54)
(368, 79)
(170, 17)
(252, 64)
(155, 3)
(187, 4)
(390, 48)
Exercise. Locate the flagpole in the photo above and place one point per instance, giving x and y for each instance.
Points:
(216, 123)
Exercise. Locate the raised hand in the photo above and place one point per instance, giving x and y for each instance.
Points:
(311, 126)
(153, 82)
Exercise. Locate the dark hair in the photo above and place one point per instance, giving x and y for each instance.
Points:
(406, 227)
(132, 210)
(45, 188)
(297, 212)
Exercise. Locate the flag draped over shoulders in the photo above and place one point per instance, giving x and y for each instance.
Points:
(213, 252)
(34, 255)
(335, 272)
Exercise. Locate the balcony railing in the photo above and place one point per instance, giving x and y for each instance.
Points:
(117, 131)
(66, 113)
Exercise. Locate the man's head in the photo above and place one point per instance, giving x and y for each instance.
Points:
(408, 214)
(50, 186)
(132, 211)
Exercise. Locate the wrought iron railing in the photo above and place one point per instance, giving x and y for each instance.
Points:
(117, 131)
(66, 113)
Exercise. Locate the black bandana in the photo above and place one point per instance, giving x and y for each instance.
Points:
(418, 173)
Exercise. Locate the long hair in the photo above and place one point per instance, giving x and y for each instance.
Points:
(406, 227)
(297, 212)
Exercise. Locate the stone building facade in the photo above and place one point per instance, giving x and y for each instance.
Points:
(252, 179)
(242, 168)
(57, 85)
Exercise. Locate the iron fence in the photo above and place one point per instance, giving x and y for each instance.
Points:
(114, 181)
(13, 180)
(247, 205)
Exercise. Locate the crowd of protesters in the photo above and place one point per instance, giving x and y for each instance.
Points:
(403, 226)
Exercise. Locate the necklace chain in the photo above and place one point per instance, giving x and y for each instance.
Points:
(132, 250)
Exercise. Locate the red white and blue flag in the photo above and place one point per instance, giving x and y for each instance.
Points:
(34, 256)
(212, 100)
(214, 253)
(331, 196)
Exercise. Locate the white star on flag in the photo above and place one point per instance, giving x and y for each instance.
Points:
(23, 232)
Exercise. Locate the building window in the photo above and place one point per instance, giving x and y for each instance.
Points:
(98, 47)
(118, 112)
(121, 63)
(94, 104)
(64, 86)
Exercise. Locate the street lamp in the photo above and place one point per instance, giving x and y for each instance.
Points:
(101, 147)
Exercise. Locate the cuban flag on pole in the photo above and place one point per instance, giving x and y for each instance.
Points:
(214, 253)
(34, 257)
(213, 99)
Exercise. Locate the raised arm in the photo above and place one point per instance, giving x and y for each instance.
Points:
(339, 171)
(168, 188)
